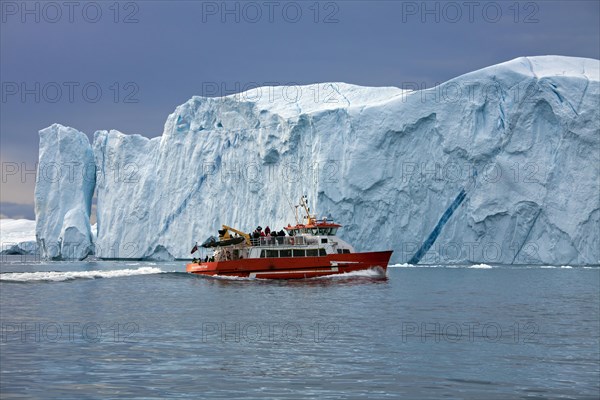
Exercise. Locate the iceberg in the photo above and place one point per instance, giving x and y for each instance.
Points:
(63, 194)
(518, 142)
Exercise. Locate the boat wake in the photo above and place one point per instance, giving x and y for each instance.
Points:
(486, 266)
(372, 273)
(228, 278)
(365, 273)
(56, 276)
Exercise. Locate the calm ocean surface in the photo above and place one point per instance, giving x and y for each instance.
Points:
(76, 330)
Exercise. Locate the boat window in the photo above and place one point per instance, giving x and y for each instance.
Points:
(333, 231)
(262, 254)
(346, 251)
(323, 231)
(324, 240)
(285, 253)
(339, 251)
(315, 231)
(322, 252)
(272, 253)
(299, 253)
(312, 252)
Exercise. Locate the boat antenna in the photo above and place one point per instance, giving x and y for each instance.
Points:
(294, 209)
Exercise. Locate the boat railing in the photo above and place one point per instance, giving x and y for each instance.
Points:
(280, 241)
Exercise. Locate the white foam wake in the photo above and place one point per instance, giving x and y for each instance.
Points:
(55, 276)
(363, 273)
(480, 266)
(486, 266)
(229, 277)
(405, 265)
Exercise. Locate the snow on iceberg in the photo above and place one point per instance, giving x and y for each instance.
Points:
(520, 138)
(63, 193)
(17, 236)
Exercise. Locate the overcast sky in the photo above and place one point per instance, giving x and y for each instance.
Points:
(92, 66)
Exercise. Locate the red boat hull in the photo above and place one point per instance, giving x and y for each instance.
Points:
(294, 267)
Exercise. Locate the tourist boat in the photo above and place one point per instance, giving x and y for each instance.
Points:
(310, 249)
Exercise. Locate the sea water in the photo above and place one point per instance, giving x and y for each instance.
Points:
(100, 329)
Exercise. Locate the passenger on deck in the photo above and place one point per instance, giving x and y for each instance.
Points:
(279, 236)
(268, 231)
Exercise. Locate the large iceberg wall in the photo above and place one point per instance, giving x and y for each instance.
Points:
(520, 138)
(63, 193)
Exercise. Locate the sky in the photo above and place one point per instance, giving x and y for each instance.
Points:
(97, 65)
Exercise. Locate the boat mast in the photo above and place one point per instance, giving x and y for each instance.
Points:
(304, 203)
